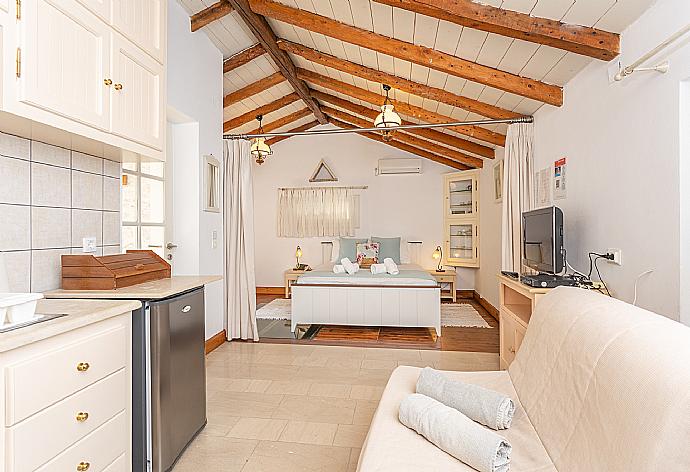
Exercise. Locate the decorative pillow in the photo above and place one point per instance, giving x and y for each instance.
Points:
(348, 248)
(388, 247)
(367, 254)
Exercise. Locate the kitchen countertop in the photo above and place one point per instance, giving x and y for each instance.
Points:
(154, 290)
(79, 313)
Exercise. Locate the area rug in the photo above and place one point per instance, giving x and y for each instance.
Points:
(278, 309)
(461, 315)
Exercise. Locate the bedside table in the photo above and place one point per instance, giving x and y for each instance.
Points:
(291, 275)
(448, 277)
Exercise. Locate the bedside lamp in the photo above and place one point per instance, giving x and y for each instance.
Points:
(298, 254)
(438, 254)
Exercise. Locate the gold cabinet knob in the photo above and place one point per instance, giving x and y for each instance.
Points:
(118, 86)
(511, 349)
(82, 466)
(82, 416)
(108, 82)
(83, 366)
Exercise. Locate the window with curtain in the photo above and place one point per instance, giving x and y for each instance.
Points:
(314, 212)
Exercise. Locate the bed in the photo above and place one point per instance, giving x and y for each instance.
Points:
(410, 298)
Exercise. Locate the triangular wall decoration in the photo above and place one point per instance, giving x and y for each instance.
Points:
(323, 173)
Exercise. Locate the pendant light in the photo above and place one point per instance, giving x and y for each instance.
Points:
(388, 117)
(259, 148)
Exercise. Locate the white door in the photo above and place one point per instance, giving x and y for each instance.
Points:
(65, 52)
(138, 102)
(142, 22)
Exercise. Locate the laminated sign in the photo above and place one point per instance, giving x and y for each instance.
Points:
(559, 189)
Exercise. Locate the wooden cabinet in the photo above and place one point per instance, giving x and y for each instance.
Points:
(143, 23)
(138, 103)
(65, 53)
(447, 280)
(461, 219)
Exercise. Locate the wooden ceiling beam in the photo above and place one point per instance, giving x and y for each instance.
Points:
(299, 129)
(421, 90)
(263, 110)
(402, 146)
(268, 39)
(285, 120)
(473, 131)
(427, 133)
(215, 12)
(408, 139)
(416, 54)
(253, 89)
(243, 57)
(581, 40)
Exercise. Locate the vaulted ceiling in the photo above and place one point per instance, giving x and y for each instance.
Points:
(303, 62)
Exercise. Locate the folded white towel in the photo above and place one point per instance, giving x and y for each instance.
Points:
(378, 269)
(455, 433)
(484, 406)
(350, 268)
(391, 266)
(338, 269)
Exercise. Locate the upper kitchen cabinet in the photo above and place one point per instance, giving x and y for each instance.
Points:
(138, 102)
(65, 65)
(143, 23)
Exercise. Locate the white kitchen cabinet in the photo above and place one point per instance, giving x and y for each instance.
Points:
(102, 8)
(143, 23)
(65, 52)
(138, 103)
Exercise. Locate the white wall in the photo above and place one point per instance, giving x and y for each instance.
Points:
(685, 204)
(410, 206)
(195, 90)
(623, 147)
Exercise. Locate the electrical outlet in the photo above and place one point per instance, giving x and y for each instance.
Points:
(214, 239)
(617, 256)
(89, 245)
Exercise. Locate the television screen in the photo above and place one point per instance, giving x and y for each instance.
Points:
(542, 248)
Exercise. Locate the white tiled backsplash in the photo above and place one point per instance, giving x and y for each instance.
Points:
(50, 199)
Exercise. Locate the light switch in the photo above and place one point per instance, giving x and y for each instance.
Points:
(214, 239)
(89, 245)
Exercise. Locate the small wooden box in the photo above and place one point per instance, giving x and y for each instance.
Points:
(87, 272)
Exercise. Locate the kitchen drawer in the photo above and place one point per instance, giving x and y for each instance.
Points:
(36, 383)
(57, 427)
(99, 449)
(121, 464)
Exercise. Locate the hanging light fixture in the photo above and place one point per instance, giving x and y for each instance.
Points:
(259, 148)
(388, 118)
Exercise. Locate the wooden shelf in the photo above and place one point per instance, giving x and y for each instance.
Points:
(521, 312)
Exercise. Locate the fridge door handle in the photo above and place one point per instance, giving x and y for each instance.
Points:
(186, 308)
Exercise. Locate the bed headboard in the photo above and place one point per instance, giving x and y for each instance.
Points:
(326, 252)
(413, 251)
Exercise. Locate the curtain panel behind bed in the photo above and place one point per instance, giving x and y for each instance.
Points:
(314, 212)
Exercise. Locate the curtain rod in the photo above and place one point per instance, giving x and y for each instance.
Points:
(356, 187)
(522, 119)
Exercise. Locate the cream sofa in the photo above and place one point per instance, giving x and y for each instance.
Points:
(599, 385)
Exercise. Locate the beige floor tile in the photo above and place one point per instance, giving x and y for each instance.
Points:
(309, 361)
(236, 385)
(364, 412)
(276, 359)
(343, 363)
(219, 423)
(350, 435)
(329, 390)
(379, 364)
(338, 352)
(392, 354)
(288, 387)
(376, 377)
(244, 404)
(354, 459)
(317, 409)
(416, 363)
(212, 453)
(253, 371)
(307, 432)
(366, 392)
(258, 428)
(294, 457)
(328, 375)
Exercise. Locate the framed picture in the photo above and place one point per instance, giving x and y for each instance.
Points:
(498, 181)
(211, 184)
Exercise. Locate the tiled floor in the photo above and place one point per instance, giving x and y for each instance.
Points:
(284, 407)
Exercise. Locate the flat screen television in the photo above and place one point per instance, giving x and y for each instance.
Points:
(542, 232)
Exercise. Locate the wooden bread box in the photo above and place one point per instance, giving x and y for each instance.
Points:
(87, 272)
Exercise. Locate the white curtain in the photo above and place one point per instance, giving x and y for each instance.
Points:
(313, 212)
(518, 197)
(238, 220)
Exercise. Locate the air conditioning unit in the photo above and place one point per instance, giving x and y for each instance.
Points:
(395, 166)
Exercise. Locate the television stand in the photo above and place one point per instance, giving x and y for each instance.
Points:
(547, 281)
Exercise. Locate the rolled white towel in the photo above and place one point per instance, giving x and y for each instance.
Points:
(350, 268)
(378, 269)
(484, 406)
(455, 433)
(338, 269)
(391, 266)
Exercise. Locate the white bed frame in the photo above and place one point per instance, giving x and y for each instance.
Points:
(409, 306)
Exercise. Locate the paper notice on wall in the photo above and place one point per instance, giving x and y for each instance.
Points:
(543, 180)
(559, 171)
